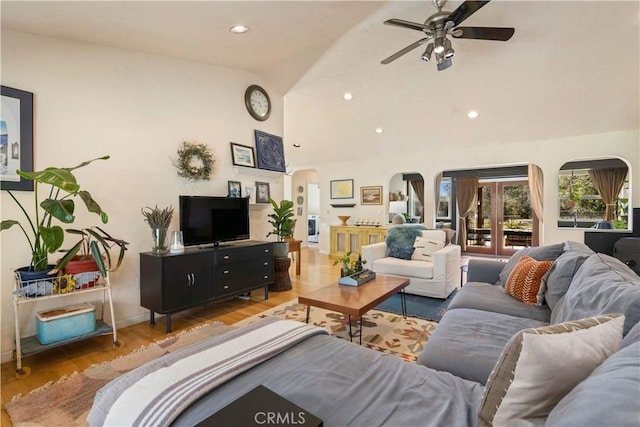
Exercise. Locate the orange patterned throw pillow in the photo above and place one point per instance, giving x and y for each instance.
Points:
(524, 281)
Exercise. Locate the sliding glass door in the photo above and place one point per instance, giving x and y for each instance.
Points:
(502, 221)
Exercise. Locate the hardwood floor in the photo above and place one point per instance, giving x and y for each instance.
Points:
(316, 271)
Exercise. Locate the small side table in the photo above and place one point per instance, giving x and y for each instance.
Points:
(281, 279)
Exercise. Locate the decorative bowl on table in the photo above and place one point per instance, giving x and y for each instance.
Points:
(344, 219)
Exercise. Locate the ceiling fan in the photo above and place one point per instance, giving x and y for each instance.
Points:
(442, 24)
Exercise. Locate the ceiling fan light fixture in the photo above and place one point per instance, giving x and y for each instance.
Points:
(426, 56)
(439, 45)
(448, 52)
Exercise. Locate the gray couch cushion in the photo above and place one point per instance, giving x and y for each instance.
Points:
(487, 297)
(468, 343)
(555, 284)
(603, 285)
(610, 396)
(484, 270)
(539, 253)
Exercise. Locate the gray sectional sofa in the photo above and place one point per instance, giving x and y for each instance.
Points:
(348, 385)
(482, 318)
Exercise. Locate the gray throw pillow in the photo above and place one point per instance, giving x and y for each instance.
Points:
(400, 252)
(555, 284)
(539, 253)
(602, 285)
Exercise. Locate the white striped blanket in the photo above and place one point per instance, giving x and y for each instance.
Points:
(156, 393)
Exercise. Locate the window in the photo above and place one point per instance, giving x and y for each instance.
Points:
(580, 203)
(444, 206)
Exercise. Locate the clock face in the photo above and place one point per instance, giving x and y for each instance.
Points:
(257, 102)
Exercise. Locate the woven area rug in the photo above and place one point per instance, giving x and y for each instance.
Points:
(68, 401)
(382, 331)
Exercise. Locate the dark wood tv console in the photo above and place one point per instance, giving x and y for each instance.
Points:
(175, 282)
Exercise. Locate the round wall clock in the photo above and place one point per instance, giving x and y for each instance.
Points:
(257, 102)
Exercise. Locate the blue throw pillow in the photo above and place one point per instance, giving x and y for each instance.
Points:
(401, 252)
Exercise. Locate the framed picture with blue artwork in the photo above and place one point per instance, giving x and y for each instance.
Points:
(16, 138)
(270, 152)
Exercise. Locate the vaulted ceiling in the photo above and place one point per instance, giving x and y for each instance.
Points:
(571, 68)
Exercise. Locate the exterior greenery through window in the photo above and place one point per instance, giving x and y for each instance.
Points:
(444, 206)
(581, 205)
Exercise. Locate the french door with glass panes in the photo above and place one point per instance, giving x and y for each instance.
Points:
(502, 220)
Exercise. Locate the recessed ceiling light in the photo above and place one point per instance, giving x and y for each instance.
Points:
(296, 145)
(348, 96)
(239, 29)
(473, 114)
(379, 130)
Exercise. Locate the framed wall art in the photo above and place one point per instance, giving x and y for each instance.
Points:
(235, 188)
(262, 192)
(371, 195)
(242, 155)
(249, 192)
(270, 152)
(16, 138)
(342, 189)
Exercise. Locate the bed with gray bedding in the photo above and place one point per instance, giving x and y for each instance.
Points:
(337, 381)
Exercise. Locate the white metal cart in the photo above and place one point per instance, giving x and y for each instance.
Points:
(27, 292)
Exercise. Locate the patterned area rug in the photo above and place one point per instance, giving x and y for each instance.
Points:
(68, 401)
(382, 331)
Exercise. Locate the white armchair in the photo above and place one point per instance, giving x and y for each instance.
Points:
(436, 279)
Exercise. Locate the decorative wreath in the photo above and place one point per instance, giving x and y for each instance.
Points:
(194, 162)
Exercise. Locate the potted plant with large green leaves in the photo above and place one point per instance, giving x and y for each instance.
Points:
(42, 234)
(92, 253)
(283, 226)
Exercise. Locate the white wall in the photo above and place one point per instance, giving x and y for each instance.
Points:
(90, 101)
(548, 154)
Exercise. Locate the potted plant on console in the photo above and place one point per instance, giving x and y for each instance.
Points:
(283, 225)
(43, 236)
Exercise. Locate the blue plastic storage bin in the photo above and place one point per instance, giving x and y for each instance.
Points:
(65, 322)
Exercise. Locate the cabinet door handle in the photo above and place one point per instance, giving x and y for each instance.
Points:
(266, 251)
(225, 287)
(188, 279)
(266, 277)
(266, 263)
(193, 279)
(226, 257)
(225, 272)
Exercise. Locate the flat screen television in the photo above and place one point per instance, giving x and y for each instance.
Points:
(209, 220)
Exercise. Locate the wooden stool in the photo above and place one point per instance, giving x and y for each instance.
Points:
(281, 279)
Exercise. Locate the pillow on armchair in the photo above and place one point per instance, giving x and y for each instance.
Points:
(401, 252)
(425, 247)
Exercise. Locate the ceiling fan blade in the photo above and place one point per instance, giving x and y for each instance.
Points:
(464, 11)
(407, 49)
(405, 24)
(446, 64)
(484, 33)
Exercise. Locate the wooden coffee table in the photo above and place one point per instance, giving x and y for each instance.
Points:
(356, 300)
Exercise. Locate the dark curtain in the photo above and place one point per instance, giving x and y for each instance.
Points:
(466, 191)
(418, 188)
(609, 183)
